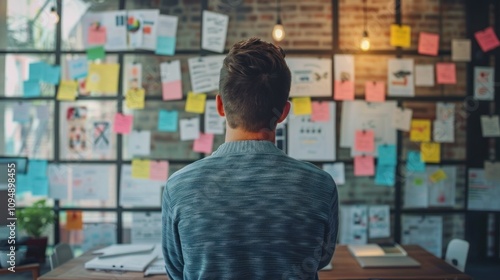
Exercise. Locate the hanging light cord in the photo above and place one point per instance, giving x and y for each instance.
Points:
(278, 11)
(365, 10)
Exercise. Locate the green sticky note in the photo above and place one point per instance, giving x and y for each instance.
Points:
(97, 52)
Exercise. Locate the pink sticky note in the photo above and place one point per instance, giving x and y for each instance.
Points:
(375, 91)
(446, 73)
(364, 166)
(320, 111)
(158, 170)
(487, 39)
(428, 43)
(364, 141)
(96, 35)
(123, 123)
(344, 90)
(204, 143)
(172, 90)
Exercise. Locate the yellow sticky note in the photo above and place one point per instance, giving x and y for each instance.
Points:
(196, 102)
(400, 35)
(67, 90)
(437, 176)
(420, 131)
(135, 98)
(141, 168)
(430, 152)
(102, 78)
(302, 106)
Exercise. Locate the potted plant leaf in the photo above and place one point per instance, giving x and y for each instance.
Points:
(34, 220)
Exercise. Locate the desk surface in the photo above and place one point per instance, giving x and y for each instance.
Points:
(344, 267)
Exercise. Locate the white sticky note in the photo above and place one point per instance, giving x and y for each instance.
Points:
(337, 171)
(139, 143)
(214, 31)
(444, 131)
(205, 72)
(190, 129)
(401, 119)
(424, 75)
(460, 50)
(490, 126)
(214, 123)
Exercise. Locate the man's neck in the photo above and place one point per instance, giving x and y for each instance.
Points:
(235, 134)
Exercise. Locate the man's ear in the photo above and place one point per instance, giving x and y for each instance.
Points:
(219, 105)
(286, 110)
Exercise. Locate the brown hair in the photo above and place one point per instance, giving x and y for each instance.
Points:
(254, 85)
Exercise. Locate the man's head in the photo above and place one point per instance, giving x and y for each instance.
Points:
(254, 86)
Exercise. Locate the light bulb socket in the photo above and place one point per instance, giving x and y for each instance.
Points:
(365, 34)
(53, 9)
(279, 20)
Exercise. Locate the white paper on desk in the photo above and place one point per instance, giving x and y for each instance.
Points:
(460, 50)
(424, 75)
(116, 30)
(400, 77)
(484, 83)
(444, 131)
(90, 182)
(139, 192)
(401, 118)
(205, 72)
(145, 229)
(149, 25)
(21, 111)
(445, 111)
(484, 194)
(139, 143)
(442, 193)
(189, 129)
(310, 140)
(310, 76)
(98, 235)
(214, 123)
(379, 221)
(492, 171)
(353, 224)
(490, 126)
(426, 231)
(416, 192)
(59, 180)
(337, 171)
(214, 31)
(133, 262)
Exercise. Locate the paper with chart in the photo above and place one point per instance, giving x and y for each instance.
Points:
(115, 23)
(214, 123)
(426, 231)
(310, 140)
(310, 76)
(59, 180)
(171, 80)
(442, 192)
(400, 75)
(484, 194)
(214, 31)
(416, 190)
(353, 224)
(139, 192)
(379, 221)
(149, 22)
(90, 182)
(337, 171)
(205, 72)
(145, 228)
(98, 234)
(484, 83)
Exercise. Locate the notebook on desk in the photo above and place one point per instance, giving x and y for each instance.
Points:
(383, 255)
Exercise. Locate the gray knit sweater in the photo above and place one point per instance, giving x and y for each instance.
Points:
(249, 211)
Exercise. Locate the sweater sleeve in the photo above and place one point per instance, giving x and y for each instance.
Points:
(172, 251)
(331, 233)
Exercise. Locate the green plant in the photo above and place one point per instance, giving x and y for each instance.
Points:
(36, 218)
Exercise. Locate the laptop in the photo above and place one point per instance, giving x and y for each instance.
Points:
(383, 255)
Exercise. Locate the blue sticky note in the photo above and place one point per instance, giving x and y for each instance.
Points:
(31, 88)
(167, 120)
(37, 71)
(52, 75)
(385, 175)
(39, 186)
(37, 168)
(23, 183)
(78, 68)
(414, 162)
(165, 45)
(387, 154)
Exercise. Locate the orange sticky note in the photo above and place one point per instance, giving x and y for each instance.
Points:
(446, 73)
(487, 39)
(364, 166)
(420, 130)
(428, 43)
(375, 91)
(96, 35)
(123, 123)
(74, 220)
(430, 152)
(172, 90)
(320, 111)
(158, 170)
(344, 90)
(204, 143)
(364, 141)
(302, 106)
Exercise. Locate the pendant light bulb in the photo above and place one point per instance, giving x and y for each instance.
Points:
(365, 42)
(278, 32)
(53, 16)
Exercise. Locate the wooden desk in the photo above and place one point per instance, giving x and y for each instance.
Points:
(344, 267)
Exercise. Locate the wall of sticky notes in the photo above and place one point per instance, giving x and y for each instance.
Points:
(122, 104)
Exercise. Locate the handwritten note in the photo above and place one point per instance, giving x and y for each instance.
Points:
(78, 68)
(31, 88)
(123, 123)
(166, 35)
(214, 31)
(387, 154)
(190, 129)
(375, 91)
(74, 220)
(443, 131)
(141, 169)
(135, 98)
(446, 73)
(460, 50)
(400, 35)
(428, 43)
(301, 106)
(103, 78)
(487, 39)
(214, 123)
(96, 35)
(414, 162)
(196, 102)
(67, 90)
(171, 80)
(364, 141)
(320, 111)
(159, 170)
(344, 90)
(204, 143)
(167, 120)
(401, 118)
(97, 52)
(205, 72)
(430, 152)
(490, 126)
(420, 130)
(385, 175)
(364, 166)
(438, 175)
(424, 75)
